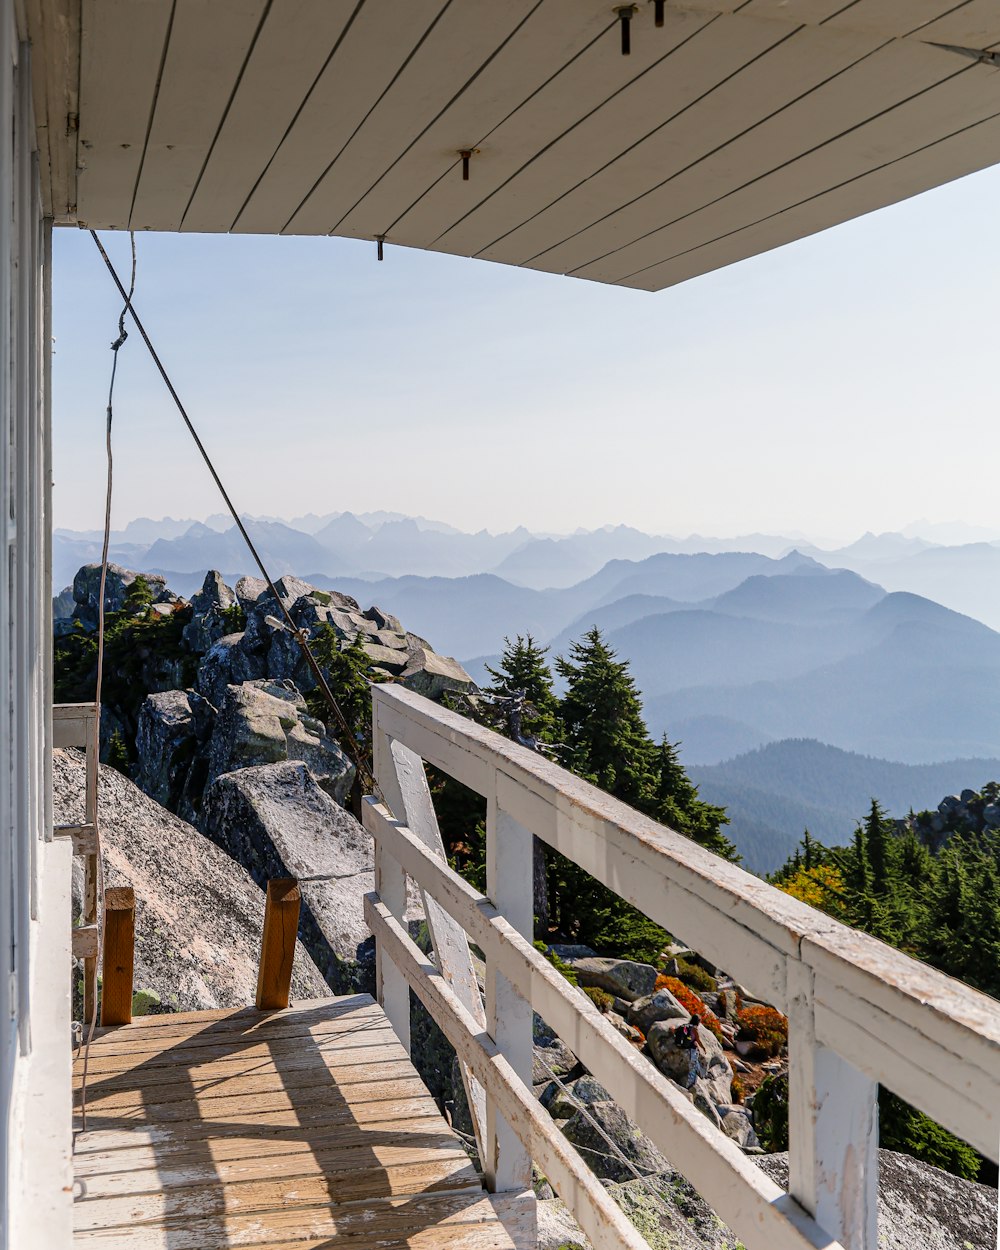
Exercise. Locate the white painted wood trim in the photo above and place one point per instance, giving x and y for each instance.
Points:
(742, 1195)
(510, 885)
(914, 1021)
(400, 775)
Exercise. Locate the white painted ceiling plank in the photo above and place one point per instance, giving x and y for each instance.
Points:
(371, 53)
(932, 116)
(809, 12)
(555, 33)
(890, 17)
(121, 47)
(879, 82)
(595, 77)
(295, 42)
(961, 154)
(208, 46)
(975, 25)
(797, 65)
(465, 38)
(715, 51)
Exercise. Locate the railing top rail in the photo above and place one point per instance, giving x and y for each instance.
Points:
(757, 930)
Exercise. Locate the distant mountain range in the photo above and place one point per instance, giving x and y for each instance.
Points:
(735, 651)
(777, 791)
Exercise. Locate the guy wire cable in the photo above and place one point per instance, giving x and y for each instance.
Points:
(299, 635)
(115, 348)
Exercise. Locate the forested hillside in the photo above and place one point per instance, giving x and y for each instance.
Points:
(775, 792)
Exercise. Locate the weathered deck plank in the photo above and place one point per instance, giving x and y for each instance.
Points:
(244, 1128)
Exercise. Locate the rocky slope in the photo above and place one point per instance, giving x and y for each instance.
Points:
(199, 914)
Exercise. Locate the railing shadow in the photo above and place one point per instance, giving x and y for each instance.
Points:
(334, 1131)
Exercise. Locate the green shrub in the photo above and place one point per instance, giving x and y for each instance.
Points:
(770, 1113)
(601, 999)
(903, 1128)
(695, 976)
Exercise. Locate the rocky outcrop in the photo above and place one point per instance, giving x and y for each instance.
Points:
(199, 914)
(87, 591)
(972, 811)
(277, 821)
(267, 722)
(211, 613)
(165, 743)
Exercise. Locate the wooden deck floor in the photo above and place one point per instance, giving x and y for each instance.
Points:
(300, 1128)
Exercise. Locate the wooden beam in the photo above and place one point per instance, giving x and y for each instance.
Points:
(277, 948)
(119, 955)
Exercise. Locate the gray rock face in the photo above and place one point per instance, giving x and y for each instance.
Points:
(561, 1105)
(227, 663)
(632, 1143)
(277, 821)
(620, 977)
(199, 915)
(165, 742)
(433, 675)
(919, 1206)
(646, 1011)
(87, 590)
(737, 1123)
(266, 722)
(208, 622)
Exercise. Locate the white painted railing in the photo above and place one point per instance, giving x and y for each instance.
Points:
(860, 1013)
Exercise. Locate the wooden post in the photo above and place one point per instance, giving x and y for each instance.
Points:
(277, 947)
(119, 955)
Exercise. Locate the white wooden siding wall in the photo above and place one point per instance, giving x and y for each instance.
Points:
(860, 1013)
(34, 873)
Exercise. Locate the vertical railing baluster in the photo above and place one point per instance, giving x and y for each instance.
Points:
(832, 1127)
(390, 882)
(510, 885)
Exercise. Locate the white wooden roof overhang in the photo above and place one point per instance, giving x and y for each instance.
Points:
(736, 126)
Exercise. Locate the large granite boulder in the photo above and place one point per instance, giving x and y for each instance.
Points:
(433, 675)
(622, 977)
(198, 913)
(646, 1011)
(277, 821)
(165, 744)
(266, 722)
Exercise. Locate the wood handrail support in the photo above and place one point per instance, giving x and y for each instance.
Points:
(118, 955)
(277, 947)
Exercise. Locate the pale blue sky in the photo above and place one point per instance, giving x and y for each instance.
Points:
(843, 383)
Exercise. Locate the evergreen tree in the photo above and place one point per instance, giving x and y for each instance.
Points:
(879, 834)
(675, 802)
(602, 715)
(523, 670)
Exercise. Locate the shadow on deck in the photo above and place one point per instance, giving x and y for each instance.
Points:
(295, 1128)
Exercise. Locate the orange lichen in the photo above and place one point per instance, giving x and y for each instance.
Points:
(765, 1028)
(690, 1001)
